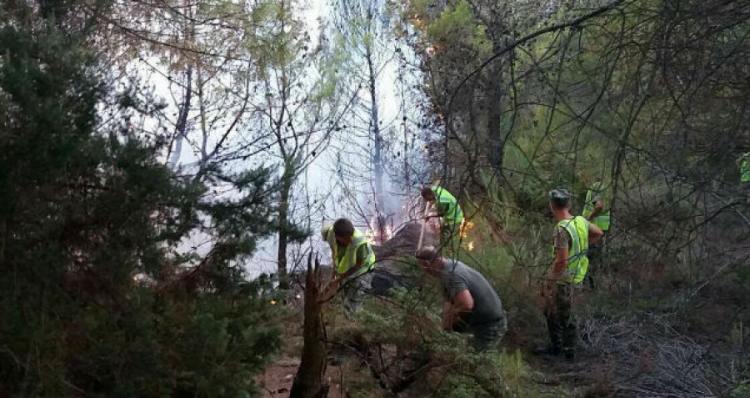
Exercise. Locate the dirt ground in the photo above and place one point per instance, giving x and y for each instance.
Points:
(276, 381)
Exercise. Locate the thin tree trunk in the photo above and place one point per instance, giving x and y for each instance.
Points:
(377, 159)
(407, 176)
(181, 124)
(494, 121)
(286, 187)
(308, 382)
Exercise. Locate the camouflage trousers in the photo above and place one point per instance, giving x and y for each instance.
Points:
(560, 323)
(354, 290)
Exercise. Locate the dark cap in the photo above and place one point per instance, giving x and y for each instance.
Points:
(559, 197)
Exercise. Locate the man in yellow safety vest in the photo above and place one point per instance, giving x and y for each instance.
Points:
(353, 259)
(571, 241)
(448, 209)
(596, 210)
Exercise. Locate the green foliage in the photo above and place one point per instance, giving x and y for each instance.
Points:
(407, 327)
(86, 206)
(458, 25)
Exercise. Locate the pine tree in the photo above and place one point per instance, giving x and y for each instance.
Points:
(86, 206)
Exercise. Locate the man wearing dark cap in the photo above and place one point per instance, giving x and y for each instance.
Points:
(471, 304)
(571, 241)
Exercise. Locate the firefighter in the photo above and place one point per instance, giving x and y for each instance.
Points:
(449, 211)
(353, 259)
(572, 237)
(596, 211)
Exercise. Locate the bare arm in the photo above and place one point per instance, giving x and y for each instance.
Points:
(361, 258)
(440, 209)
(598, 207)
(461, 303)
(561, 263)
(351, 271)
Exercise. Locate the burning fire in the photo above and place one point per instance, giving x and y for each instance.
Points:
(373, 234)
(463, 232)
(465, 227)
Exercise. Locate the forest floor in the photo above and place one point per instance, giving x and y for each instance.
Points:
(276, 380)
(585, 377)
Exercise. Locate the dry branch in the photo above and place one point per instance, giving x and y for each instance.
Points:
(648, 357)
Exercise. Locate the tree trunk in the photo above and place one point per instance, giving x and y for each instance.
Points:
(377, 159)
(286, 186)
(495, 117)
(407, 175)
(181, 124)
(308, 382)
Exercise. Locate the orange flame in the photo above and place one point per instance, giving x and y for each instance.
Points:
(465, 227)
(372, 234)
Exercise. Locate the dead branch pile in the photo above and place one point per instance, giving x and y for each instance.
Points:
(648, 358)
(390, 270)
(404, 242)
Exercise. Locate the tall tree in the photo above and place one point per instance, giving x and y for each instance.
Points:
(364, 27)
(86, 206)
(302, 109)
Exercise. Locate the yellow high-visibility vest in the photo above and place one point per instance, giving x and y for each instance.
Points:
(349, 259)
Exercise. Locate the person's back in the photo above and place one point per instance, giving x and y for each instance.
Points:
(449, 210)
(487, 319)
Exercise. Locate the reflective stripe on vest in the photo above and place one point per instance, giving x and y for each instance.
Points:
(745, 167)
(602, 219)
(350, 257)
(454, 215)
(578, 263)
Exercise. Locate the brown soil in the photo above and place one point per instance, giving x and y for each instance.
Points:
(276, 381)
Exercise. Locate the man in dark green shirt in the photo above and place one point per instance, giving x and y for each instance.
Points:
(471, 304)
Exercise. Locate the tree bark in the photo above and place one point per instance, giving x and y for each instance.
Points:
(286, 187)
(377, 135)
(407, 175)
(181, 125)
(495, 117)
(308, 382)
